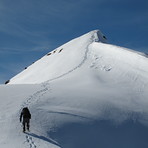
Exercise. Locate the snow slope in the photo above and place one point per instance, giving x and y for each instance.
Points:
(60, 61)
(86, 94)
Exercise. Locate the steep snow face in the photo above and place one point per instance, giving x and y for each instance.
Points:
(60, 61)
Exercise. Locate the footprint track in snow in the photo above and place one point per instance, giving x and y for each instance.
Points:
(31, 99)
(37, 95)
(30, 142)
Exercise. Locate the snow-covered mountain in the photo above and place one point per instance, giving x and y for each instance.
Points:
(60, 61)
(86, 93)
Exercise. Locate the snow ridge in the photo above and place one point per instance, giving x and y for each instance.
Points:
(73, 54)
(94, 38)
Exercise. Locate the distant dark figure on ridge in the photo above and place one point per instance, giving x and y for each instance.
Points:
(26, 118)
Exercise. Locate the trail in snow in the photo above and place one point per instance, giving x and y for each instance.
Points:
(32, 99)
(57, 65)
(106, 96)
(92, 39)
(46, 87)
(37, 95)
(29, 139)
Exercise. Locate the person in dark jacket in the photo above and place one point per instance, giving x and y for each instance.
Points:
(26, 118)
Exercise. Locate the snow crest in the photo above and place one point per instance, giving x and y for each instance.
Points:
(60, 61)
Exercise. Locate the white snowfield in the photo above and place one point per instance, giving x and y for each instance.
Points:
(84, 94)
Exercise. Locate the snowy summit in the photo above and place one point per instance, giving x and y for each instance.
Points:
(60, 61)
(84, 94)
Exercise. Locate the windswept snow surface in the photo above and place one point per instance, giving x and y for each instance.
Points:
(86, 94)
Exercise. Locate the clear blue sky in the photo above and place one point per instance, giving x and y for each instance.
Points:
(31, 28)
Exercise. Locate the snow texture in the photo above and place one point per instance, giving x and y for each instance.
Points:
(84, 94)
